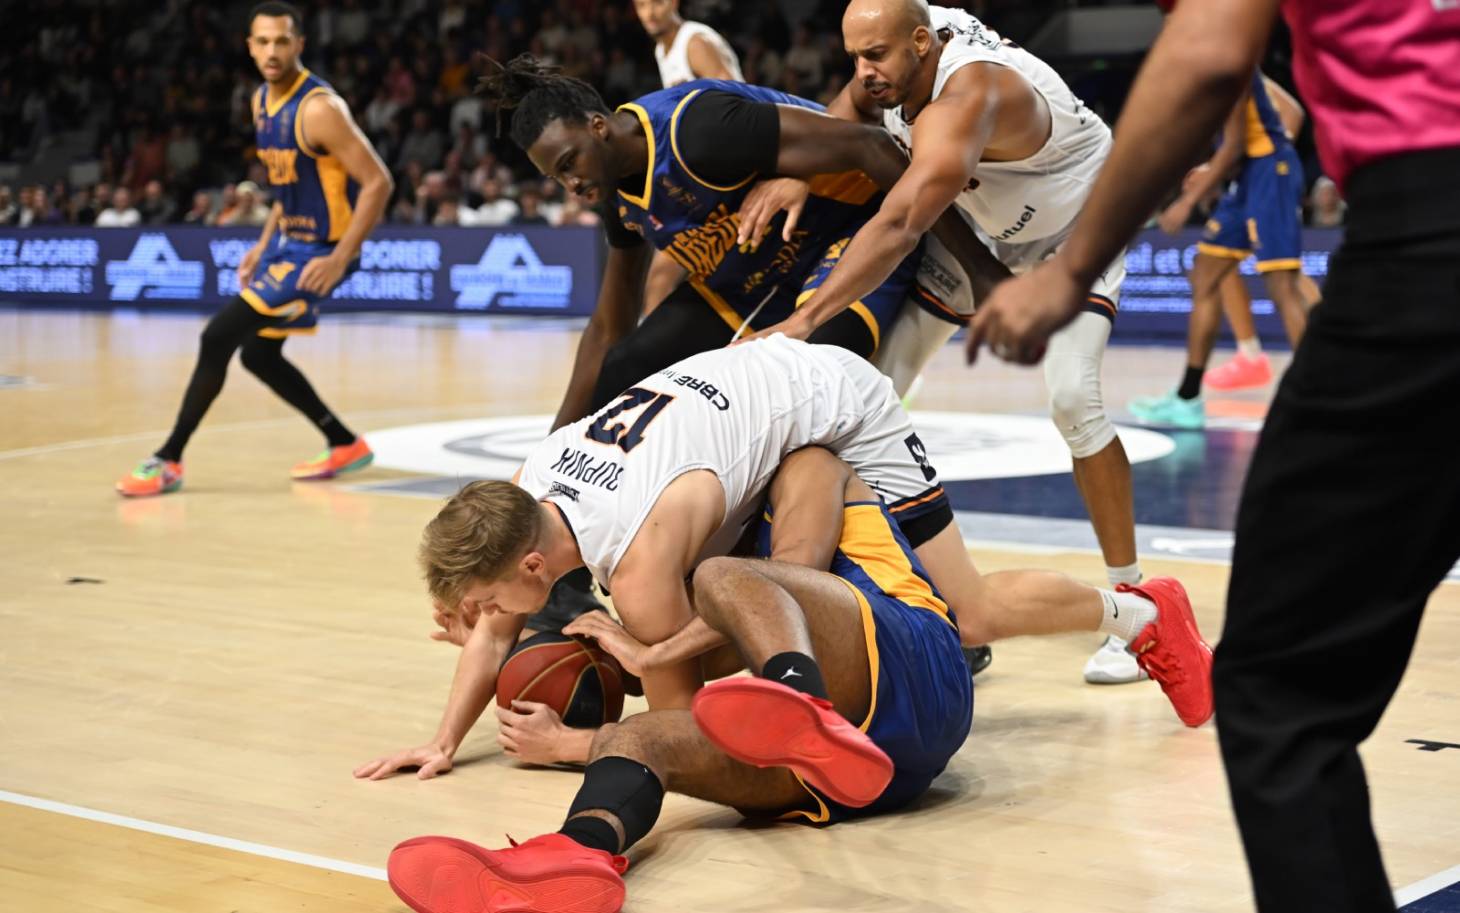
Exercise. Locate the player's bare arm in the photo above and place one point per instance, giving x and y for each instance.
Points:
(472, 688)
(1197, 69)
(806, 496)
(648, 585)
(327, 127)
(620, 303)
(950, 136)
(705, 61)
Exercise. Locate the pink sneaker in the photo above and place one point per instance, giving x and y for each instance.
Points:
(1240, 372)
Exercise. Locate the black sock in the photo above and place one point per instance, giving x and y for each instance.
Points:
(622, 787)
(795, 670)
(1190, 383)
(265, 358)
(591, 831)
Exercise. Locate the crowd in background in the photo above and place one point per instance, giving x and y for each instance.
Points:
(142, 109)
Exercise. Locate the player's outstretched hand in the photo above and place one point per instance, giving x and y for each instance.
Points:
(430, 759)
(1022, 313)
(611, 636)
(764, 201)
(531, 733)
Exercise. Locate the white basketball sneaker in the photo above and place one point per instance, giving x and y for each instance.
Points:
(1113, 664)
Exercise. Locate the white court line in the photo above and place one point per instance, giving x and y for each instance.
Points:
(1422, 889)
(182, 833)
(83, 443)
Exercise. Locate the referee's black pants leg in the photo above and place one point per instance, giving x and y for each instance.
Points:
(1349, 519)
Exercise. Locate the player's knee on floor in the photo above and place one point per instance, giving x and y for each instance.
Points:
(1075, 404)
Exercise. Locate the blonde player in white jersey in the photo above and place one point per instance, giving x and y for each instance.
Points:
(996, 132)
(685, 50)
(672, 472)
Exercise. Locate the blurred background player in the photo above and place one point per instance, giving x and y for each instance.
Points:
(330, 189)
(684, 50)
(1259, 214)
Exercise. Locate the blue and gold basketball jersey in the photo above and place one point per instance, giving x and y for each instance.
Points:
(922, 694)
(317, 193)
(697, 222)
(1264, 131)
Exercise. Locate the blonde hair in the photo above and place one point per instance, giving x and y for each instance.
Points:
(478, 535)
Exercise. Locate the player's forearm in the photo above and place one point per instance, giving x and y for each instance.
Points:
(693, 640)
(472, 689)
(369, 207)
(1192, 77)
(574, 745)
(271, 224)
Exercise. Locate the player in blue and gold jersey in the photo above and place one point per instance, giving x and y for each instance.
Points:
(1259, 215)
(329, 189)
(864, 728)
(672, 169)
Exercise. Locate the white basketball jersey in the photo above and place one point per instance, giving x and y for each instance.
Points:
(674, 65)
(736, 412)
(1039, 196)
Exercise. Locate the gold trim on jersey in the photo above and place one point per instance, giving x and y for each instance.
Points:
(291, 309)
(334, 181)
(286, 332)
(299, 122)
(867, 541)
(726, 312)
(273, 107)
(674, 147)
(643, 201)
(852, 187)
(874, 674)
(1258, 142)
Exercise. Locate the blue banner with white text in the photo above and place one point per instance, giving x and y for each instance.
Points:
(515, 270)
(512, 270)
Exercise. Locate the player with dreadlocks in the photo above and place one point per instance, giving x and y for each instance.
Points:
(672, 167)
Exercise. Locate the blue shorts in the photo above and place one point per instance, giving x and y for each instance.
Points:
(1260, 214)
(273, 293)
(880, 307)
(922, 705)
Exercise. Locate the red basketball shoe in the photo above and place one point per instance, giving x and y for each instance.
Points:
(766, 724)
(1171, 650)
(547, 874)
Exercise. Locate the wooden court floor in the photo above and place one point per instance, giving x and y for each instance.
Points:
(211, 666)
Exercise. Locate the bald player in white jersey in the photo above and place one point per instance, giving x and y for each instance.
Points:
(672, 472)
(995, 131)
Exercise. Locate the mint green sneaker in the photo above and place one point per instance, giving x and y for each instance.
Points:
(1170, 411)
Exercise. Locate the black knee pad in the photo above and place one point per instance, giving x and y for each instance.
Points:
(625, 789)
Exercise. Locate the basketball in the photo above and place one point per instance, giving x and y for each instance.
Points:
(574, 677)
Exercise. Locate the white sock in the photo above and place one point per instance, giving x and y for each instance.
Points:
(1250, 348)
(1125, 614)
(1130, 574)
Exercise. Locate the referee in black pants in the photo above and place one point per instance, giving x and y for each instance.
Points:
(1351, 513)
